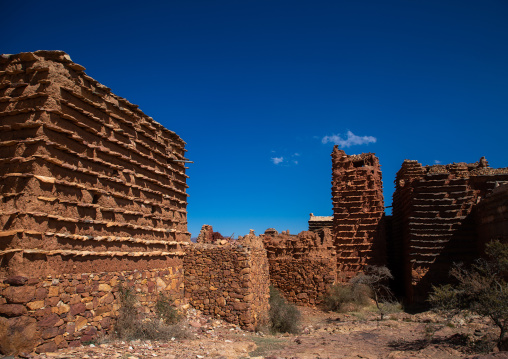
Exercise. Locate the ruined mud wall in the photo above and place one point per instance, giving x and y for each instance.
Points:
(302, 267)
(433, 225)
(69, 310)
(88, 182)
(230, 281)
(492, 216)
(358, 210)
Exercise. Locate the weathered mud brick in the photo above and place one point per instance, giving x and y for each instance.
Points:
(358, 212)
(434, 222)
(88, 184)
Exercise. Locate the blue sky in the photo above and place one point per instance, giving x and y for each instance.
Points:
(261, 90)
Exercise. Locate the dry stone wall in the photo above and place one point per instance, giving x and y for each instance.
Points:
(358, 210)
(303, 266)
(433, 224)
(60, 311)
(88, 182)
(230, 281)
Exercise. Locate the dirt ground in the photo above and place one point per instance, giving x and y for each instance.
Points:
(323, 335)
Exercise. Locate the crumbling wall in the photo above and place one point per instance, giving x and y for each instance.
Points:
(358, 210)
(88, 184)
(60, 311)
(302, 267)
(433, 222)
(230, 281)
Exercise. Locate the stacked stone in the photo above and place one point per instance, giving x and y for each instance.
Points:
(358, 210)
(302, 267)
(88, 182)
(72, 309)
(229, 281)
(433, 221)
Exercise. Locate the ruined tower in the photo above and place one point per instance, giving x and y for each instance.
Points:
(358, 211)
(88, 182)
(434, 221)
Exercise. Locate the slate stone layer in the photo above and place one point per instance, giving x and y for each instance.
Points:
(88, 182)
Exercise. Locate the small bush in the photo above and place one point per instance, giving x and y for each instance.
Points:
(128, 321)
(132, 325)
(363, 289)
(284, 317)
(346, 297)
(481, 289)
(166, 310)
(390, 307)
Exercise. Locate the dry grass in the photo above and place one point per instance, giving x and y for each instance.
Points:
(131, 325)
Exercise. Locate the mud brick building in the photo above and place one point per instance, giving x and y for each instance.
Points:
(435, 220)
(88, 184)
(358, 211)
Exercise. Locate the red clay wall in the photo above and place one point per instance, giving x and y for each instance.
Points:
(433, 222)
(230, 281)
(84, 173)
(358, 210)
(302, 267)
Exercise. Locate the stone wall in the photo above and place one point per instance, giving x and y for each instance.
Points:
(358, 210)
(229, 281)
(302, 267)
(65, 310)
(433, 224)
(88, 182)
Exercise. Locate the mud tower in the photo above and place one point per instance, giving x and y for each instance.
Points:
(358, 212)
(439, 219)
(88, 182)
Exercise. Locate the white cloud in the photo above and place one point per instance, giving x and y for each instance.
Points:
(277, 160)
(437, 162)
(351, 140)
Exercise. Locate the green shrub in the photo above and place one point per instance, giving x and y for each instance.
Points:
(481, 289)
(284, 317)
